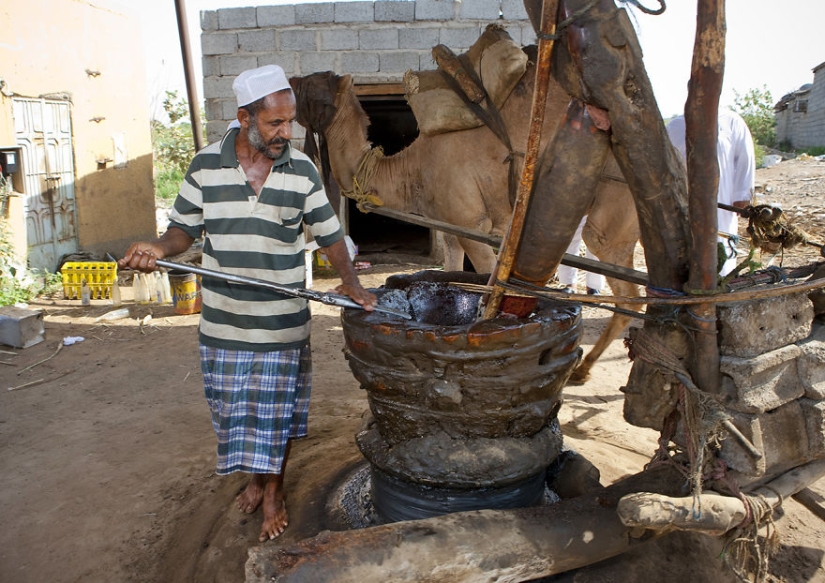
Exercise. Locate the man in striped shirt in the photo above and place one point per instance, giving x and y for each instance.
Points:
(250, 197)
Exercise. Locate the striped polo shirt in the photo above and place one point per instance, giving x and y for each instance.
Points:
(260, 237)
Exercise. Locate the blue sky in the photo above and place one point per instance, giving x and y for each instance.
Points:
(768, 44)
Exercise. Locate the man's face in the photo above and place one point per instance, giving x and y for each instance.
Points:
(271, 129)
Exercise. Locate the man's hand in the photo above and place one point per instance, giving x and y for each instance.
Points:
(141, 256)
(358, 294)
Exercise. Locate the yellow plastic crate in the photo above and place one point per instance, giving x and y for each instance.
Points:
(99, 276)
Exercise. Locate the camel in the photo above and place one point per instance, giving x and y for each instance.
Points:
(460, 178)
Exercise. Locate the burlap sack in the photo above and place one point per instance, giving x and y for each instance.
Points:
(498, 61)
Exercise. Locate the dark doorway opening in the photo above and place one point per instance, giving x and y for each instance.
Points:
(393, 127)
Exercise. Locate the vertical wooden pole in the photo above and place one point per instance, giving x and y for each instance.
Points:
(507, 253)
(701, 126)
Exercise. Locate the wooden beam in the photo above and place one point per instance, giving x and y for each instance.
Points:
(379, 89)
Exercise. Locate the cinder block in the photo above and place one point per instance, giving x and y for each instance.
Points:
(213, 108)
(21, 327)
(811, 362)
(235, 65)
(481, 9)
(359, 62)
(513, 10)
(297, 40)
(257, 41)
(219, 43)
(814, 413)
(284, 59)
(394, 11)
(761, 383)
(215, 130)
(339, 39)
(460, 39)
(229, 108)
(398, 61)
(418, 38)
(434, 9)
(780, 435)
(209, 20)
(229, 18)
(761, 325)
(218, 87)
(314, 13)
(211, 65)
(276, 15)
(315, 62)
(528, 36)
(378, 39)
(427, 63)
(354, 12)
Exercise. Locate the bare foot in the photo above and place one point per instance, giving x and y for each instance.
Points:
(252, 496)
(276, 518)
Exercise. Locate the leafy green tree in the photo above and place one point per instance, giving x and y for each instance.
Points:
(173, 147)
(756, 108)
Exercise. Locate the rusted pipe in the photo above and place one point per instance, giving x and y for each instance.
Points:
(191, 89)
(701, 125)
(508, 250)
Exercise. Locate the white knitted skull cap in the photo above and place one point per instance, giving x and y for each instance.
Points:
(253, 84)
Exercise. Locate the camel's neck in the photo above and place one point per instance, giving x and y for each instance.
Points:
(348, 146)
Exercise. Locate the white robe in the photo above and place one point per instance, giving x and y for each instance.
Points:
(737, 168)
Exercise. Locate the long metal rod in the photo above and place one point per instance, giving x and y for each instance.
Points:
(591, 265)
(507, 253)
(328, 298)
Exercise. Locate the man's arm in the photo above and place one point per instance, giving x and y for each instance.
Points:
(141, 255)
(339, 257)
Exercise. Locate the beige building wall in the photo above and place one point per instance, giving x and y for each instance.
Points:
(90, 51)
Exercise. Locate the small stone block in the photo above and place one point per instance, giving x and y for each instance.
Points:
(814, 413)
(811, 362)
(20, 327)
(750, 328)
(761, 383)
(780, 435)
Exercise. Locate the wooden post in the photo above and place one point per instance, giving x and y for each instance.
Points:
(701, 124)
(508, 250)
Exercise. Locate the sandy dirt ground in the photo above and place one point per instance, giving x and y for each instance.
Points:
(107, 452)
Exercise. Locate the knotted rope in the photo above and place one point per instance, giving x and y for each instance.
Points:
(362, 177)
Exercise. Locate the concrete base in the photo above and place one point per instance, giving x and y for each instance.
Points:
(20, 327)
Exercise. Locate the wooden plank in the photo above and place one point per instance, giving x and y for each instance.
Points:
(379, 89)
(606, 269)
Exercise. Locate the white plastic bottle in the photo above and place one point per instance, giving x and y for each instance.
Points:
(85, 293)
(166, 288)
(139, 291)
(115, 296)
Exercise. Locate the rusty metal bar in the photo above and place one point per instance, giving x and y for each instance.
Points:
(507, 253)
(188, 70)
(591, 265)
(701, 123)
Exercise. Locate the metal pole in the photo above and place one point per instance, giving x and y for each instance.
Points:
(191, 87)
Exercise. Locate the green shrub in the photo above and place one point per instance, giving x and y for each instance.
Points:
(756, 108)
(173, 147)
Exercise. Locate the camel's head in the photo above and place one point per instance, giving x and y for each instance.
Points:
(315, 97)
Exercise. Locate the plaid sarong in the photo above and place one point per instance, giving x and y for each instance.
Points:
(258, 400)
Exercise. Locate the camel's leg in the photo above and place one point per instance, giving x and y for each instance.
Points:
(481, 255)
(453, 253)
(611, 233)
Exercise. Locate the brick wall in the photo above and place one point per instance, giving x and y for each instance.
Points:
(376, 42)
(804, 129)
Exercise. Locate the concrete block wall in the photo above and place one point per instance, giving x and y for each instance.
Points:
(375, 41)
(804, 129)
